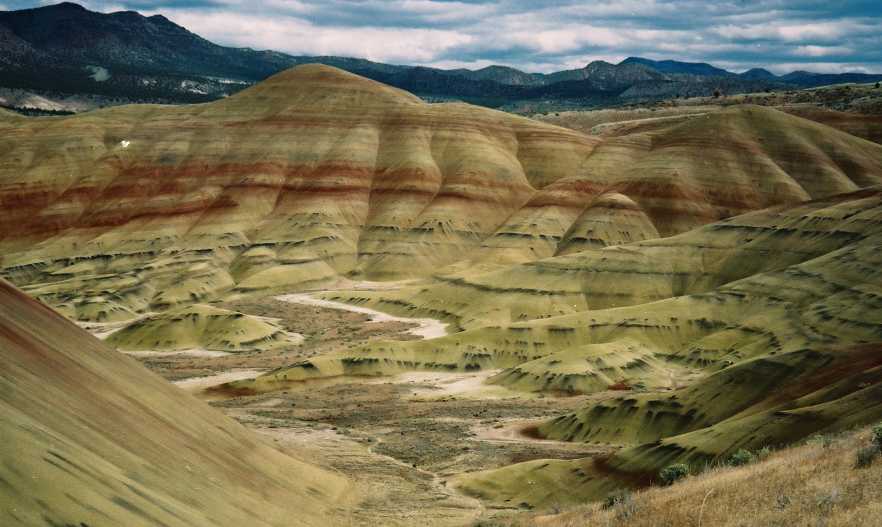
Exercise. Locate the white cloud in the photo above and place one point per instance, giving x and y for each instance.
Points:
(821, 51)
(819, 31)
(295, 35)
(538, 35)
(821, 67)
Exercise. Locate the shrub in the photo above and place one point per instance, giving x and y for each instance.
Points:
(622, 504)
(865, 456)
(673, 473)
(763, 453)
(740, 458)
(877, 435)
(821, 439)
(616, 498)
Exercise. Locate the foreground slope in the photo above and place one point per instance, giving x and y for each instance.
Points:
(89, 437)
(805, 485)
(317, 173)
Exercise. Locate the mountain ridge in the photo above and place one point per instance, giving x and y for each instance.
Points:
(67, 48)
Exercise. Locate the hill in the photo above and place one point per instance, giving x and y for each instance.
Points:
(310, 175)
(92, 438)
(811, 482)
(674, 66)
(317, 173)
(762, 330)
(201, 327)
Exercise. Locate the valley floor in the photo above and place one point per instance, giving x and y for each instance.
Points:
(401, 438)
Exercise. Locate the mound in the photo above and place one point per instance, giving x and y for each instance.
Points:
(687, 298)
(540, 483)
(201, 326)
(628, 275)
(611, 219)
(92, 438)
(591, 368)
(316, 173)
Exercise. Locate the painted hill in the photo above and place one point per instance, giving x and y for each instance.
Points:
(312, 174)
(317, 173)
(92, 438)
(764, 328)
(201, 327)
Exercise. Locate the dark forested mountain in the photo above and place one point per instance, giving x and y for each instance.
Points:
(126, 57)
(677, 67)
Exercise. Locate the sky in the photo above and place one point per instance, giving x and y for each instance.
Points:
(539, 35)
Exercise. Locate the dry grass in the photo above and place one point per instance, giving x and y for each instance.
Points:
(813, 484)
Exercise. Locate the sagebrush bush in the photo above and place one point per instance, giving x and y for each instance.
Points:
(672, 473)
(616, 498)
(824, 440)
(763, 453)
(742, 457)
(865, 456)
(877, 435)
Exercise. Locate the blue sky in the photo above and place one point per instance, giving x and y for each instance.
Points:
(540, 35)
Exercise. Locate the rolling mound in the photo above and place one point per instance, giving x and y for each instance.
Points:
(92, 438)
(316, 174)
(201, 326)
(629, 275)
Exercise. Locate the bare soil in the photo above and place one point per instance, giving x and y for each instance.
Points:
(401, 438)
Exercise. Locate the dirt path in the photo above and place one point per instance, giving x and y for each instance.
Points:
(427, 328)
(198, 384)
(463, 384)
(193, 352)
(102, 330)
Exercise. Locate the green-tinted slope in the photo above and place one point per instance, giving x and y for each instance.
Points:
(633, 274)
(789, 350)
(90, 437)
(201, 326)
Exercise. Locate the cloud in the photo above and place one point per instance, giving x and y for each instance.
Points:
(296, 35)
(540, 35)
(821, 51)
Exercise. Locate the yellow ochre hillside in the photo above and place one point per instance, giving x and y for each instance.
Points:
(317, 173)
(90, 437)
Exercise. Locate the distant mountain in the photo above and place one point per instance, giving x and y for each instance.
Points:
(674, 66)
(70, 49)
(502, 75)
(807, 79)
(758, 74)
(127, 57)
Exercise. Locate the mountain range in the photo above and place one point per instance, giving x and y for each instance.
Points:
(128, 57)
